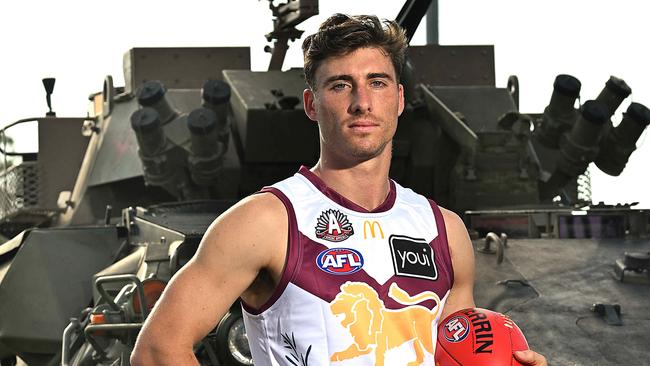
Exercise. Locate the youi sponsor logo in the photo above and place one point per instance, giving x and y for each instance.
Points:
(413, 257)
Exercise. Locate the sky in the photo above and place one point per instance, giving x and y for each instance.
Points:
(80, 42)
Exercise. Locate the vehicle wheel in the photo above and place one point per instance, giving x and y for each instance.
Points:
(232, 344)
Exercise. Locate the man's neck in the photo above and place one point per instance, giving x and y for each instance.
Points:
(365, 183)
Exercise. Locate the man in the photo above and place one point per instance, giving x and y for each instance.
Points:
(338, 263)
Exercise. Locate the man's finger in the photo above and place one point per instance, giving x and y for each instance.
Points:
(530, 358)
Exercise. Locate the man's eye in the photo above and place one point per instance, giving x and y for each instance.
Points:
(377, 83)
(339, 86)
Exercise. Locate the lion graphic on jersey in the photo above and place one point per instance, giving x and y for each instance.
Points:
(373, 327)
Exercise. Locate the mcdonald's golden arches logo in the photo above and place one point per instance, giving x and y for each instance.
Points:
(374, 227)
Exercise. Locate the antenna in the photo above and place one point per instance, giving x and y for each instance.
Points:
(287, 16)
(48, 83)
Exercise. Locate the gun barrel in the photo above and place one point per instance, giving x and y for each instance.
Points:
(588, 128)
(620, 142)
(613, 94)
(206, 159)
(560, 114)
(578, 148)
(148, 130)
(152, 94)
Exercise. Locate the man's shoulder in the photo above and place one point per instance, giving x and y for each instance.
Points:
(451, 218)
(259, 206)
(252, 226)
(454, 224)
(260, 212)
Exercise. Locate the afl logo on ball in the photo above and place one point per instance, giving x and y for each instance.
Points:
(340, 261)
(456, 329)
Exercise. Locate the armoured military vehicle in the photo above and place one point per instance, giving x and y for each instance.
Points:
(99, 226)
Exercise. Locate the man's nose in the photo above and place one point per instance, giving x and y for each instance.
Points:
(361, 101)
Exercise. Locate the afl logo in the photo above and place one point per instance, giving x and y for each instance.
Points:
(456, 329)
(340, 261)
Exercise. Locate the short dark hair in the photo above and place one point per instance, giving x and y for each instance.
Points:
(341, 34)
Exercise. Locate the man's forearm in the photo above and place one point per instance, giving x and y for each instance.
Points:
(147, 355)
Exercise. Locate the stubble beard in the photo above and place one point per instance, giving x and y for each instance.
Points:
(354, 152)
(361, 152)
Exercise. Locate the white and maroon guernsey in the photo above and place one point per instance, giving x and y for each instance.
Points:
(359, 287)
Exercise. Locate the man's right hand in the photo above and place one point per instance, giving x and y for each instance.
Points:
(530, 358)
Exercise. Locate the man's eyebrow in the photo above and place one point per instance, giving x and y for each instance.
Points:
(379, 75)
(344, 77)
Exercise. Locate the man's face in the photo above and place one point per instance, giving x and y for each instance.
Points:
(356, 102)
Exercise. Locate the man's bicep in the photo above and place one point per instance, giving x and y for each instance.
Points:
(461, 295)
(233, 251)
(191, 305)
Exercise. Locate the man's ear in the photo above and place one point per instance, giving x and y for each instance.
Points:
(401, 100)
(309, 103)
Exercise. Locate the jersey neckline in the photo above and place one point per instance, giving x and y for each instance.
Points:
(338, 198)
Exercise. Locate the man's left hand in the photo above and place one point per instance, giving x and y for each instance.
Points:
(530, 358)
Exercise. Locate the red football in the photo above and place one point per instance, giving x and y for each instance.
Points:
(478, 337)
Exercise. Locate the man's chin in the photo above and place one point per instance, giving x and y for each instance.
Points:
(367, 152)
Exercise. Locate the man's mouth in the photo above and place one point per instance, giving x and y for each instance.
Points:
(363, 126)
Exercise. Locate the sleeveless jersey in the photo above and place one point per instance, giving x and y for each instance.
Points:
(359, 287)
